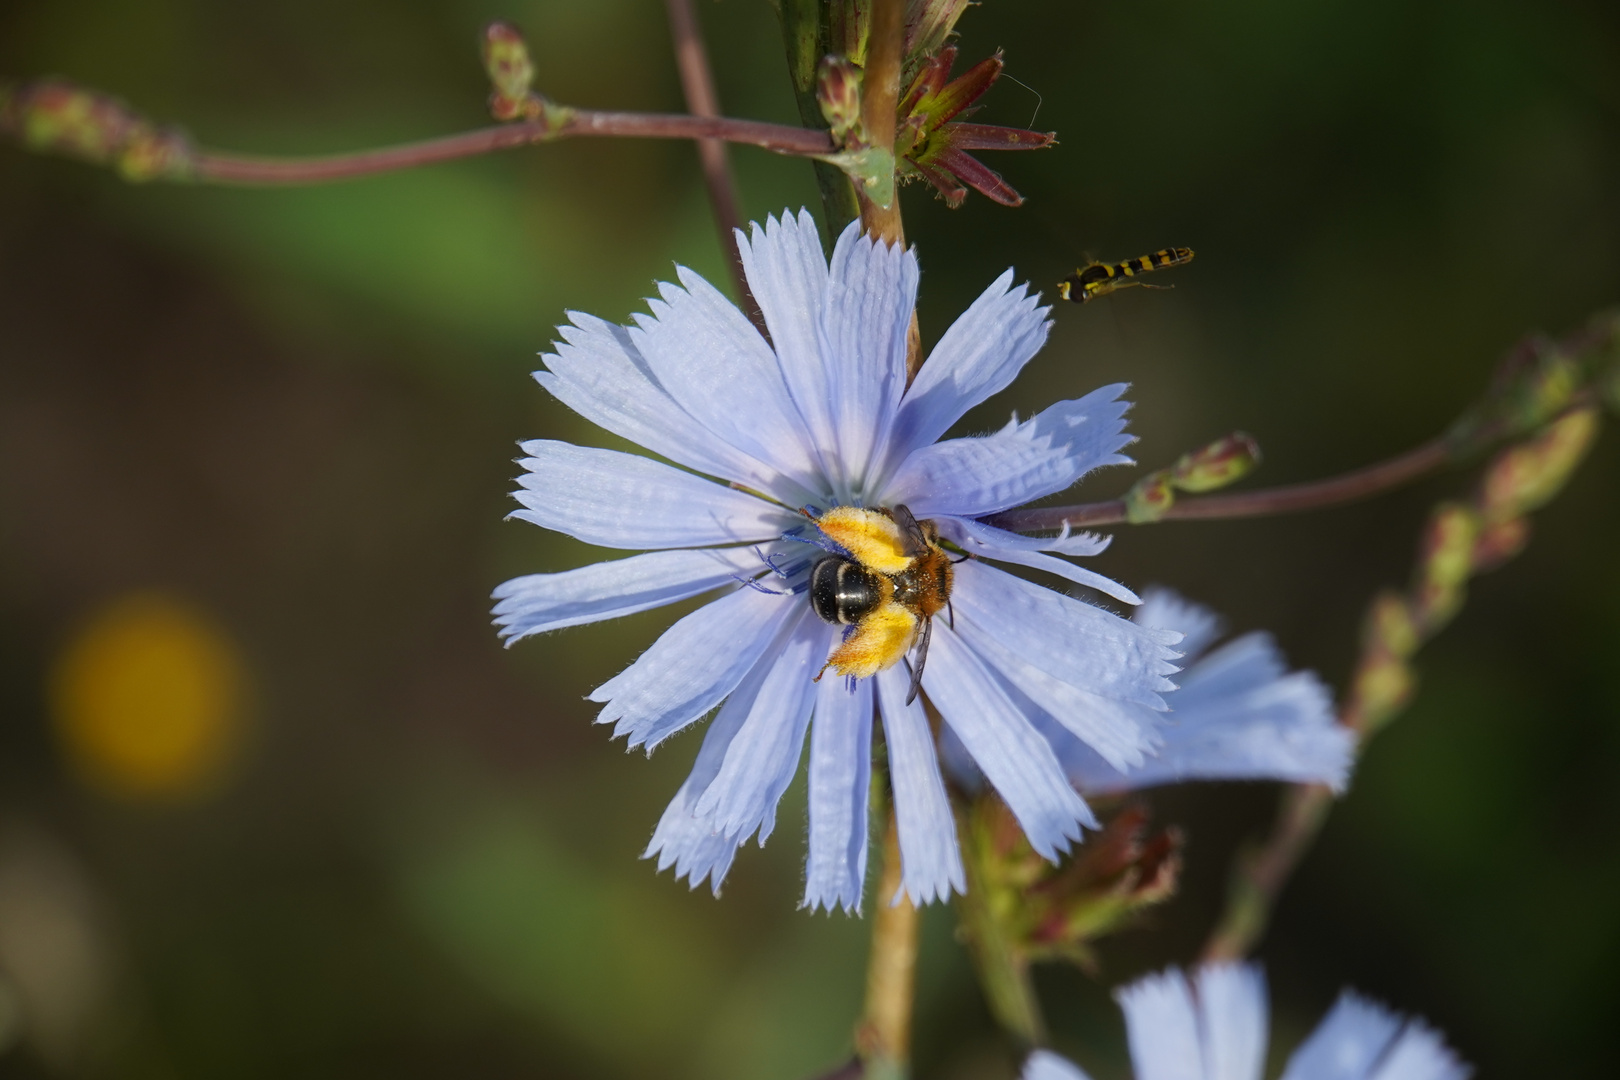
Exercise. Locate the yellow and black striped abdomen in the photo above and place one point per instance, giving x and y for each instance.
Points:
(1099, 279)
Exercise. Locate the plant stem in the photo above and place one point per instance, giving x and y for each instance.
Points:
(880, 97)
(697, 82)
(1004, 975)
(883, 1039)
(224, 168)
(1287, 499)
(1262, 873)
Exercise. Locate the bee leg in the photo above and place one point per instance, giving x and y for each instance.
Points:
(922, 658)
(950, 614)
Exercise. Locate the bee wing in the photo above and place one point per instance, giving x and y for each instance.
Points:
(916, 541)
(922, 658)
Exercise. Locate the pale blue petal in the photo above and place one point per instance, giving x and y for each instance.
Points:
(1233, 1014)
(620, 500)
(693, 666)
(1045, 1065)
(1239, 715)
(1122, 732)
(691, 844)
(1420, 1054)
(597, 372)
(686, 839)
(708, 358)
(606, 590)
(958, 763)
(840, 782)
(988, 542)
(1165, 609)
(1085, 646)
(980, 354)
(871, 291)
(972, 477)
(930, 861)
(787, 274)
(763, 756)
(1015, 759)
(1362, 1040)
(1161, 1027)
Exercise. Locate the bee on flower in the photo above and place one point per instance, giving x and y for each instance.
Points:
(813, 494)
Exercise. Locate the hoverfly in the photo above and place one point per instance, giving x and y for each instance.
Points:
(887, 590)
(1099, 279)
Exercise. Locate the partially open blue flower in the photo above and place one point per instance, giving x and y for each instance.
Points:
(822, 417)
(1239, 713)
(1214, 1028)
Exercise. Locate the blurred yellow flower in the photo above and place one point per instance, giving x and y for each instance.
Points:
(147, 699)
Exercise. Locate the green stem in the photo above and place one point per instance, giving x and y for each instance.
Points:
(804, 35)
(1003, 973)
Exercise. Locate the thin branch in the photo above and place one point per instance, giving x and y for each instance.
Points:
(1287, 499)
(697, 82)
(239, 169)
(1262, 873)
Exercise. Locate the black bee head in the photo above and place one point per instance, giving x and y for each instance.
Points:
(843, 591)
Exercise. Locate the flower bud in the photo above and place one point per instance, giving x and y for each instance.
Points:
(1150, 498)
(838, 91)
(928, 24)
(1390, 628)
(1220, 463)
(1446, 560)
(61, 117)
(1381, 687)
(1500, 541)
(511, 72)
(1526, 476)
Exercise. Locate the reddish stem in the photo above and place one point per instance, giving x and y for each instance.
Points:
(697, 82)
(225, 168)
(1287, 499)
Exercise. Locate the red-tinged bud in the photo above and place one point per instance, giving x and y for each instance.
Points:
(1446, 560)
(1150, 498)
(56, 116)
(65, 118)
(511, 73)
(1526, 476)
(838, 91)
(1220, 463)
(928, 24)
(1381, 688)
(1448, 545)
(1390, 628)
(1500, 541)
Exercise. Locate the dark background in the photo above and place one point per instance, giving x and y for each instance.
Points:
(295, 411)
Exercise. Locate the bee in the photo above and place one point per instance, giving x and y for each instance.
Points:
(895, 579)
(1099, 279)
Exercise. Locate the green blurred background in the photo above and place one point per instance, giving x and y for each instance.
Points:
(271, 433)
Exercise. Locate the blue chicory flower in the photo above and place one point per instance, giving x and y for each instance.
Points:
(1214, 1028)
(820, 417)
